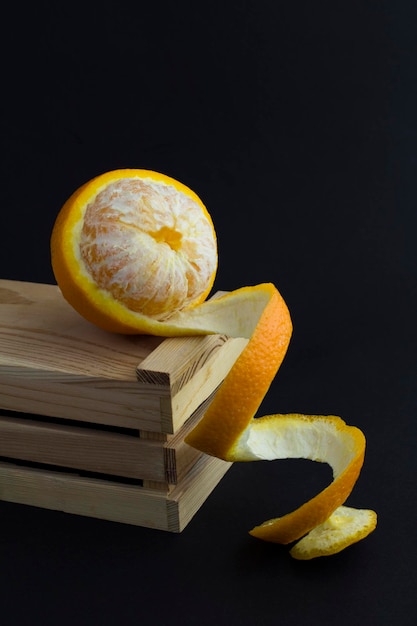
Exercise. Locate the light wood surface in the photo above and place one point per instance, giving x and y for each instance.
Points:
(54, 363)
(128, 504)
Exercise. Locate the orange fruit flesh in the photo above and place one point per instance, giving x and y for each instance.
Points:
(131, 247)
(134, 251)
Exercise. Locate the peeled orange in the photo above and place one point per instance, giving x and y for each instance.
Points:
(135, 251)
(132, 247)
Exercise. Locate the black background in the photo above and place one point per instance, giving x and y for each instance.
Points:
(295, 122)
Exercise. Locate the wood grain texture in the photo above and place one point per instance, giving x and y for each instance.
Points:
(54, 363)
(191, 368)
(110, 501)
(82, 448)
(129, 454)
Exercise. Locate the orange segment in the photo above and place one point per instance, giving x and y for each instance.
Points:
(135, 251)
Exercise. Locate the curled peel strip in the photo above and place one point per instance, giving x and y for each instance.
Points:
(230, 431)
(324, 439)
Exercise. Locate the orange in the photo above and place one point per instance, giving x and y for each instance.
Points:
(135, 251)
(132, 246)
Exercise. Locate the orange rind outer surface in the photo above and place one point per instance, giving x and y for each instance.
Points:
(247, 383)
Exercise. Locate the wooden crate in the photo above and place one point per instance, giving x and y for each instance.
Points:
(93, 423)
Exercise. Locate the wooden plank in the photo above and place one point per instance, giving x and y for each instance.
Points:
(77, 397)
(175, 362)
(82, 448)
(40, 330)
(53, 362)
(189, 495)
(180, 457)
(192, 367)
(132, 454)
(83, 496)
(112, 501)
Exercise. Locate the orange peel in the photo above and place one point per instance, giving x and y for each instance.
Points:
(135, 251)
(344, 527)
(326, 439)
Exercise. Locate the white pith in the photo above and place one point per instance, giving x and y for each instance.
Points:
(281, 437)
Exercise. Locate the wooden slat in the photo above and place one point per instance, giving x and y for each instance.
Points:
(180, 457)
(112, 501)
(53, 362)
(82, 448)
(40, 330)
(132, 455)
(176, 361)
(99, 401)
(192, 367)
